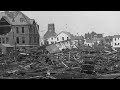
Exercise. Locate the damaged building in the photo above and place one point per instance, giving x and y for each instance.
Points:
(18, 31)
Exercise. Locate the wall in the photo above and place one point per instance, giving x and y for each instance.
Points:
(60, 37)
(51, 40)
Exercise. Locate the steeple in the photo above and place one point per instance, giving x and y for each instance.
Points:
(51, 27)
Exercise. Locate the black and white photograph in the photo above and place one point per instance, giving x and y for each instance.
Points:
(59, 44)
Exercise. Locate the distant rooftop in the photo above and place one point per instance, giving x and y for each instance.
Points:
(115, 36)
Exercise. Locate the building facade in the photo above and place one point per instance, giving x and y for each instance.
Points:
(116, 41)
(18, 30)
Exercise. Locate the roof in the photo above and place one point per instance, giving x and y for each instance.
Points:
(98, 39)
(68, 33)
(78, 37)
(52, 48)
(116, 36)
(49, 34)
(16, 18)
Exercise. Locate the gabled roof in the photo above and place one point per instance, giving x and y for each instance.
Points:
(5, 18)
(68, 33)
(17, 18)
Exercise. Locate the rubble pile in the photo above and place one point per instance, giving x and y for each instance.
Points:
(64, 64)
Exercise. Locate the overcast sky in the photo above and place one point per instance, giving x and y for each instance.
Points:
(107, 22)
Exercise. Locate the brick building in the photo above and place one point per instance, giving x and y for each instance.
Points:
(18, 30)
(93, 35)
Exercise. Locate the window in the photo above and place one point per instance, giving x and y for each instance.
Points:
(47, 42)
(118, 43)
(115, 39)
(22, 29)
(3, 40)
(51, 38)
(57, 39)
(23, 39)
(17, 31)
(63, 38)
(52, 42)
(34, 39)
(17, 40)
(67, 38)
(115, 44)
(7, 39)
(41, 43)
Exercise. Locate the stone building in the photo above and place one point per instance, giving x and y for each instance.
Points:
(18, 30)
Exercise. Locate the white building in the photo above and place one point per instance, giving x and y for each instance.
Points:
(63, 36)
(52, 40)
(116, 41)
